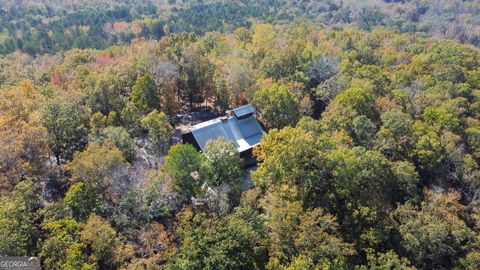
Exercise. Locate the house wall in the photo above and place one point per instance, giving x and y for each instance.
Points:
(188, 138)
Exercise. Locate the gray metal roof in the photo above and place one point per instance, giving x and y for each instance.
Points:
(244, 132)
(244, 110)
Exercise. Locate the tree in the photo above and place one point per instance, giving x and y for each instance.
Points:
(278, 106)
(440, 118)
(358, 99)
(360, 175)
(369, 17)
(131, 117)
(395, 138)
(66, 128)
(119, 137)
(81, 200)
(23, 140)
(263, 36)
(322, 68)
(302, 262)
(53, 253)
(222, 162)
(434, 233)
(62, 234)
(107, 94)
(471, 261)
(222, 93)
(214, 243)
(338, 117)
(310, 125)
(100, 237)
(388, 260)
(98, 121)
(100, 167)
(428, 149)
(407, 181)
(181, 161)
(144, 93)
(130, 211)
(330, 88)
(197, 73)
(322, 228)
(156, 244)
(363, 130)
(167, 77)
(159, 131)
(290, 156)
(363, 178)
(19, 233)
(77, 258)
(26, 153)
(239, 78)
(293, 231)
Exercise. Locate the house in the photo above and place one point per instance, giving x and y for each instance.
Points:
(239, 126)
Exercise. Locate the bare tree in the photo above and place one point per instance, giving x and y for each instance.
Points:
(322, 69)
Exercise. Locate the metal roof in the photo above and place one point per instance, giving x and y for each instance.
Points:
(244, 132)
(244, 110)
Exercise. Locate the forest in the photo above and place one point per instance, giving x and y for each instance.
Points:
(371, 161)
(37, 27)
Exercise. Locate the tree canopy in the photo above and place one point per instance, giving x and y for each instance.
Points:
(370, 158)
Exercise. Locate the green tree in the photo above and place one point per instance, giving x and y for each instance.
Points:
(66, 128)
(98, 121)
(61, 235)
(440, 118)
(388, 260)
(434, 234)
(117, 136)
(330, 88)
(278, 106)
(100, 167)
(100, 238)
(197, 75)
(363, 130)
(130, 118)
(19, 218)
(358, 99)
(407, 181)
(428, 148)
(77, 258)
(302, 262)
(214, 243)
(395, 138)
(222, 161)
(181, 161)
(53, 253)
(293, 231)
(144, 93)
(369, 17)
(364, 179)
(338, 117)
(159, 131)
(471, 261)
(130, 211)
(310, 125)
(81, 200)
(293, 157)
